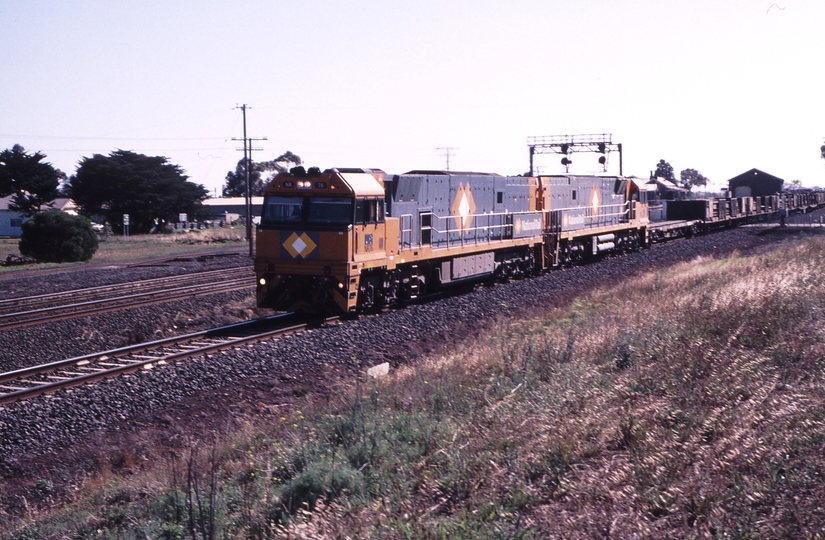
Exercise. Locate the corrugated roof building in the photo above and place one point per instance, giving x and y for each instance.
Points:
(232, 209)
(755, 183)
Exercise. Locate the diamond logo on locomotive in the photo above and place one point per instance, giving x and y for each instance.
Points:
(301, 245)
(464, 207)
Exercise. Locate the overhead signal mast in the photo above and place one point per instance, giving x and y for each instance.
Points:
(247, 156)
(600, 143)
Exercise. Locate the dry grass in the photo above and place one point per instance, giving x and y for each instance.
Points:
(117, 248)
(687, 403)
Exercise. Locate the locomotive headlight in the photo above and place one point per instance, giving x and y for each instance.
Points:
(262, 281)
(340, 285)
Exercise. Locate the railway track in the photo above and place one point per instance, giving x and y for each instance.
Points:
(34, 381)
(30, 310)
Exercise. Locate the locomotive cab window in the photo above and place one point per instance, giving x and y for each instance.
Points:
(280, 210)
(283, 209)
(329, 210)
(369, 211)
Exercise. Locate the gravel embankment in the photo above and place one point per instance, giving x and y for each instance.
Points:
(50, 424)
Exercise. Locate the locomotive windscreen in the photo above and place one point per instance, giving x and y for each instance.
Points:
(280, 210)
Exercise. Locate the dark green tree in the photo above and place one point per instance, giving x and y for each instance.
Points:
(235, 185)
(34, 183)
(692, 178)
(664, 170)
(55, 236)
(150, 189)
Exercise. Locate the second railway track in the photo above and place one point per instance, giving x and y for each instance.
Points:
(33, 381)
(31, 310)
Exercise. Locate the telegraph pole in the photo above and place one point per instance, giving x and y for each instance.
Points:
(247, 156)
(447, 150)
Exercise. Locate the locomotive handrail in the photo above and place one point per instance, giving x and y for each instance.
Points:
(482, 223)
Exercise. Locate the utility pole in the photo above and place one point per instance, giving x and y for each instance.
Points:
(447, 150)
(247, 156)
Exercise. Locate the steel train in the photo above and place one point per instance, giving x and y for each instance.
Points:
(351, 240)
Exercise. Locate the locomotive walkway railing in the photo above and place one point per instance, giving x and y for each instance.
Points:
(448, 231)
(574, 218)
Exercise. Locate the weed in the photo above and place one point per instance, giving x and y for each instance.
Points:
(43, 488)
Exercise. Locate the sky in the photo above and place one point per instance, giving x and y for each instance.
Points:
(720, 86)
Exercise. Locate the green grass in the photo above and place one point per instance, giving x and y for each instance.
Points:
(689, 403)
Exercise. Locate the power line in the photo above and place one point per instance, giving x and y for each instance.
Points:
(447, 150)
(125, 137)
(247, 155)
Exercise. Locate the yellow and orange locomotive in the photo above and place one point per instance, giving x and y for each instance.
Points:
(347, 240)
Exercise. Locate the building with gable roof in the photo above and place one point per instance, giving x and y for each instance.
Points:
(755, 183)
(11, 221)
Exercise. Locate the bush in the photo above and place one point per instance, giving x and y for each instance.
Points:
(55, 236)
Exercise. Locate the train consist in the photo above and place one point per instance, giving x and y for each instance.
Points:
(349, 240)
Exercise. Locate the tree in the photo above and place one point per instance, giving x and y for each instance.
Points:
(150, 189)
(235, 185)
(692, 178)
(55, 236)
(34, 183)
(664, 170)
(280, 164)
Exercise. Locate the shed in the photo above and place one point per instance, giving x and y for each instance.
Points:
(755, 183)
(231, 209)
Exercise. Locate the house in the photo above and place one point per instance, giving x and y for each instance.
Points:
(667, 190)
(11, 222)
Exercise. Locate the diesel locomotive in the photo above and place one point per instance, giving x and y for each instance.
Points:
(348, 240)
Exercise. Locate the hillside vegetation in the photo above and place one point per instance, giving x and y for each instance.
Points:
(687, 402)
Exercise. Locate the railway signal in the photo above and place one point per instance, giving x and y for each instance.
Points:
(600, 143)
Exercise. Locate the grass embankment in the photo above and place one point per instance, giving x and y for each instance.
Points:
(688, 402)
(117, 248)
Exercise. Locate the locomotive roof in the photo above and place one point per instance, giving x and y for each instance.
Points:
(451, 173)
(363, 184)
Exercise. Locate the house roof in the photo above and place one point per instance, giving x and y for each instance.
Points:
(752, 174)
(61, 203)
(668, 184)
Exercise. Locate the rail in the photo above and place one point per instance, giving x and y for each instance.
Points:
(26, 383)
(94, 307)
